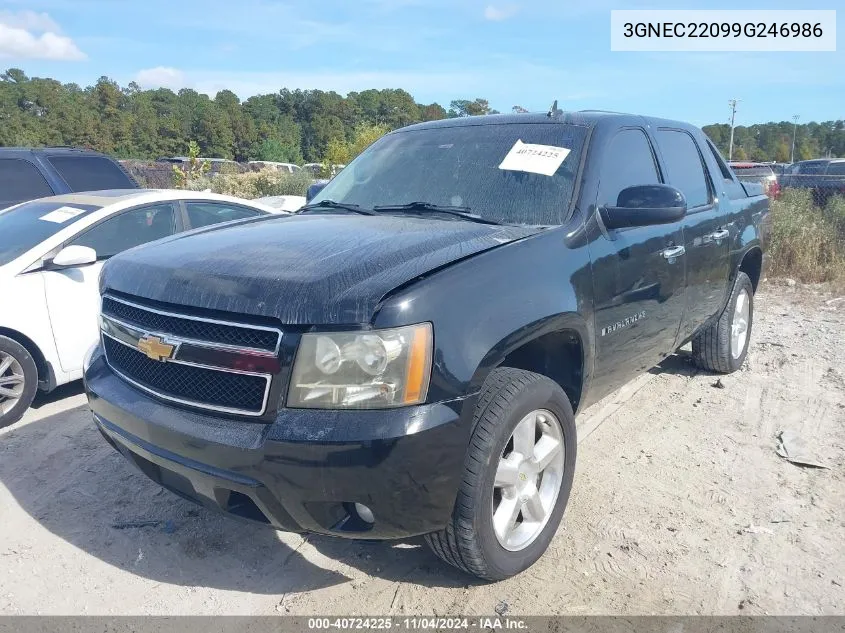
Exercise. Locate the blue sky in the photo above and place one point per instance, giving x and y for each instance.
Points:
(508, 51)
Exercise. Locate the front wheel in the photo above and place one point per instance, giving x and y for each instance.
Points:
(517, 477)
(18, 381)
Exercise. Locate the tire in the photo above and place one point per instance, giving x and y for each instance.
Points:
(15, 361)
(470, 542)
(715, 349)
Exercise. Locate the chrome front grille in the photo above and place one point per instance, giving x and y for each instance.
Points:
(196, 361)
(193, 328)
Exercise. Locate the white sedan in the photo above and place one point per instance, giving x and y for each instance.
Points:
(51, 253)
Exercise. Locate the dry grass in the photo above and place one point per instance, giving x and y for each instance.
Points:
(807, 242)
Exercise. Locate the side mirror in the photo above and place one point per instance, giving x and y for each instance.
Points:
(645, 205)
(313, 190)
(73, 256)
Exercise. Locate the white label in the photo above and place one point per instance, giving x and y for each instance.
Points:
(61, 215)
(536, 159)
(722, 30)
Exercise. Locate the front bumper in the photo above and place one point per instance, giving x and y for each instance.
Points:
(303, 472)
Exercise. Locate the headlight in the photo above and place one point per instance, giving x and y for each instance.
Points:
(376, 369)
(86, 360)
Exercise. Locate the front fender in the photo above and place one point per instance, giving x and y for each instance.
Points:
(486, 306)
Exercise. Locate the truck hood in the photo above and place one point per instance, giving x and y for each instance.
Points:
(308, 269)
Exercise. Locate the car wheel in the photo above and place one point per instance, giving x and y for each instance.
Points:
(517, 477)
(723, 346)
(18, 381)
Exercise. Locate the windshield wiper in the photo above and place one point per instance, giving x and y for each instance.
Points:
(331, 204)
(427, 207)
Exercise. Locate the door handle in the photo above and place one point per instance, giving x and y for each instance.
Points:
(721, 234)
(674, 251)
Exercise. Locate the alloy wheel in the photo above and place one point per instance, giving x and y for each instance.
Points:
(528, 480)
(11, 382)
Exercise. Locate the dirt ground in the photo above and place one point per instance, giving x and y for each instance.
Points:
(681, 505)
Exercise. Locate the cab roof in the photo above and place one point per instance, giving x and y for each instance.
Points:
(584, 118)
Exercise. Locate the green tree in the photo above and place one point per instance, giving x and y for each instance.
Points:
(464, 107)
(272, 149)
(289, 125)
(433, 112)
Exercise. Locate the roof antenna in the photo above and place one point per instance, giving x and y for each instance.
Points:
(553, 111)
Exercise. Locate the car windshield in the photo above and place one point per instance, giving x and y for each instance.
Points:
(25, 226)
(462, 166)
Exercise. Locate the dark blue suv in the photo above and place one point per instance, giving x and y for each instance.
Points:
(30, 173)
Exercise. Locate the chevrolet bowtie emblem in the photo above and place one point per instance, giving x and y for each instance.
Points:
(155, 348)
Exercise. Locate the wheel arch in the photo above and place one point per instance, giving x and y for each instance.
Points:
(45, 374)
(751, 264)
(557, 347)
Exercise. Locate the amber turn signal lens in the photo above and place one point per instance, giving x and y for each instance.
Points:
(419, 365)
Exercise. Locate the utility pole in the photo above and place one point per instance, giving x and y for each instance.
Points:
(795, 118)
(732, 103)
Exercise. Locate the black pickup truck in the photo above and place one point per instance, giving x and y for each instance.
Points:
(28, 173)
(406, 356)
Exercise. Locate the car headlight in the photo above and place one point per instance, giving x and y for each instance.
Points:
(86, 360)
(375, 369)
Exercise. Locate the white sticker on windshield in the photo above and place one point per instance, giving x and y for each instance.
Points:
(61, 215)
(536, 159)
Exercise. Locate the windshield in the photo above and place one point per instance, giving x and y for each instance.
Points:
(25, 226)
(460, 167)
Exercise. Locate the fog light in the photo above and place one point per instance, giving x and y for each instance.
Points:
(365, 513)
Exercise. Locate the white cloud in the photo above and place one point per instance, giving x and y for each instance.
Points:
(29, 21)
(31, 35)
(161, 77)
(497, 14)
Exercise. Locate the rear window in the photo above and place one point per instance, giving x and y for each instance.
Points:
(752, 170)
(20, 180)
(29, 224)
(90, 173)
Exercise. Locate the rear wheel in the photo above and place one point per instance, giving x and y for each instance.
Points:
(517, 477)
(722, 347)
(18, 381)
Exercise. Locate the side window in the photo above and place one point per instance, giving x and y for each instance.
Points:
(836, 169)
(90, 173)
(129, 229)
(628, 161)
(20, 180)
(726, 171)
(731, 186)
(684, 168)
(208, 213)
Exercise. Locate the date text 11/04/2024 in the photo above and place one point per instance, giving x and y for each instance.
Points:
(417, 623)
